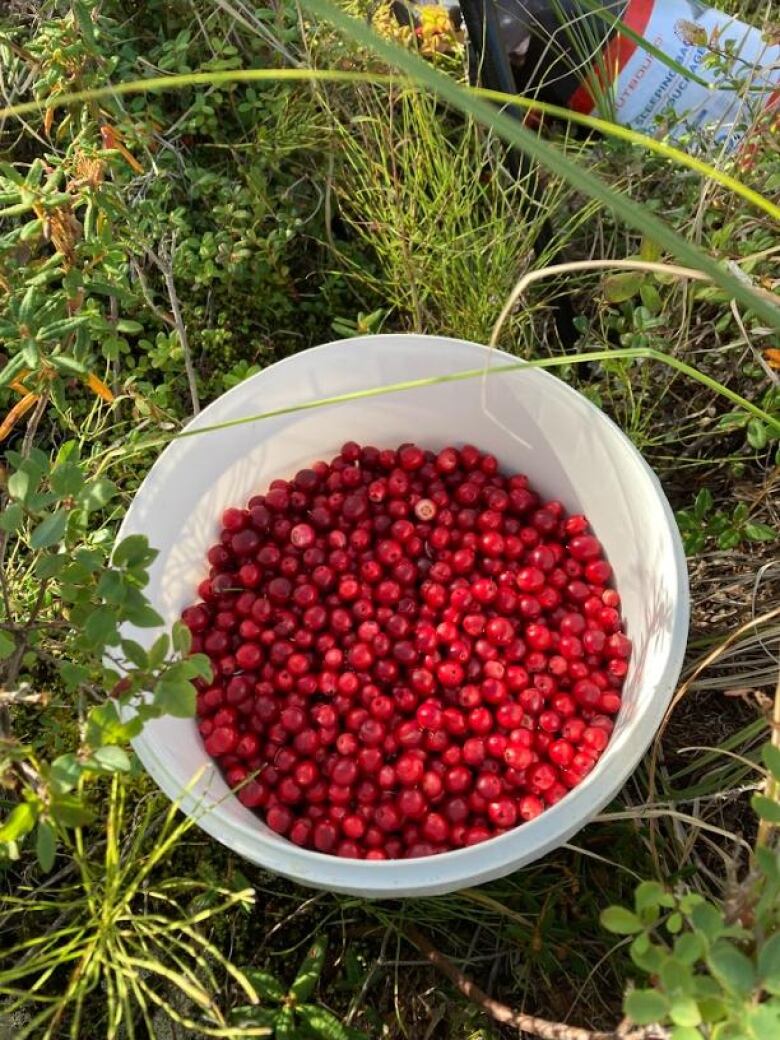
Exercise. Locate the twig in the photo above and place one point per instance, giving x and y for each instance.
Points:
(771, 375)
(540, 1027)
(146, 292)
(165, 267)
(32, 425)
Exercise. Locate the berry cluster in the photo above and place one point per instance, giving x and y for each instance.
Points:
(411, 652)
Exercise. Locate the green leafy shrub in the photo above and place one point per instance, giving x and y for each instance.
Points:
(713, 971)
(75, 591)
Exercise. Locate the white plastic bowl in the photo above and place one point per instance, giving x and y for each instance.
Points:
(534, 424)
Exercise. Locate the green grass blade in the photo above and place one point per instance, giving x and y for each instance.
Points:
(179, 81)
(626, 353)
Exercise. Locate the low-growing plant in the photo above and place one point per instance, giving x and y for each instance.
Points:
(119, 930)
(288, 1011)
(712, 971)
(704, 526)
(217, 200)
(758, 435)
(445, 232)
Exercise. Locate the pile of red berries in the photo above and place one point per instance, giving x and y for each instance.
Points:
(411, 652)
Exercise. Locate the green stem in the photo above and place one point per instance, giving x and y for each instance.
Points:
(626, 353)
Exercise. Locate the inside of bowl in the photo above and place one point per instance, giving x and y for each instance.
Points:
(531, 421)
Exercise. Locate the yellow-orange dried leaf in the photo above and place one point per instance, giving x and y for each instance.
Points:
(111, 139)
(772, 358)
(131, 160)
(108, 137)
(87, 170)
(97, 386)
(19, 409)
(64, 230)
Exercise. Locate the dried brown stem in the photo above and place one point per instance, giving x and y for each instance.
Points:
(165, 267)
(540, 1027)
(146, 292)
(32, 425)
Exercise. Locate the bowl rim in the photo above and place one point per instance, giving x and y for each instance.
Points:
(459, 867)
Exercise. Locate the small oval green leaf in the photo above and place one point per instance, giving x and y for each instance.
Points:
(771, 757)
(685, 1033)
(769, 964)
(689, 948)
(621, 921)
(623, 286)
(756, 434)
(766, 808)
(112, 759)
(731, 967)
(684, 1011)
(50, 530)
(644, 1006)
(7, 645)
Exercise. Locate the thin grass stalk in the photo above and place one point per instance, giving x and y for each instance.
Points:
(634, 137)
(129, 983)
(587, 357)
(651, 813)
(197, 955)
(180, 81)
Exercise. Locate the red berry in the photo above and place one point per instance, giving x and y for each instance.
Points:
(449, 673)
(584, 547)
(529, 807)
(279, 819)
(560, 753)
(503, 812)
(325, 836)
(222, 741)
(457, 779)
(530, 579)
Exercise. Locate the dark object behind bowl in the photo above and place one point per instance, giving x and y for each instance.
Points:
(546, 41)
